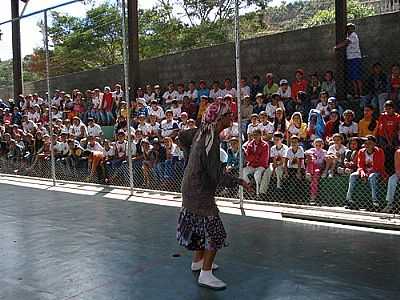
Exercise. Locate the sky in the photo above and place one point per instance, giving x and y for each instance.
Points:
(30, 34)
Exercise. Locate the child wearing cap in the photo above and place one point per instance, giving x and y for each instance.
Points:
(284, 90)
(254, 124)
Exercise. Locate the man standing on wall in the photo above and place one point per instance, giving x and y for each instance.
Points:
(353, 59)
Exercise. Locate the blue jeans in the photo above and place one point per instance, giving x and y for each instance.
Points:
(372, 181)
(391, 191)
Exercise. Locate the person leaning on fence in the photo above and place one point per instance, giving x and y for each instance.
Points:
(371, 166)
(392, 184)
(277, 165)
(257, 159)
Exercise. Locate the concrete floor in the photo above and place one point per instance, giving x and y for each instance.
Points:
(56, 245)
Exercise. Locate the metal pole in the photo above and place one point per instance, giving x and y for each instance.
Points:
(133, 46)
(128, 101)
(341, 22)
(16, 45)
(46, 48)
(238, 92)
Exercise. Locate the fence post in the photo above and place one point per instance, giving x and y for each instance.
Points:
(238, 94)
(127, 97)
(46, 48)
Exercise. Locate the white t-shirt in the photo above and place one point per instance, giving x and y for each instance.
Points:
(154, 129)
(35, 116)
(369, 161)
(170, 96)
(232, 131)
(95, 130)
(251, 128)
(181, 96)
(62, 148)
(270, 109)
(215, 94)
(348, 130)
(95, 147)
(293, 130)
(231, 92)
(159, 113)
(109, 153)
(121, 148)
(267, 128)
(353, 48)
(323, 109)
(167, 128)
(293, 158)
(176, 112)
(145, 128)
(279, 153)
(148, 97)
(285, 94)
(337, 152)
(244, 91)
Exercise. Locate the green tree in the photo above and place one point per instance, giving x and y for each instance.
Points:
(355, 10)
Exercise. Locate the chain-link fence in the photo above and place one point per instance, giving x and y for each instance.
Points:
(306, 120)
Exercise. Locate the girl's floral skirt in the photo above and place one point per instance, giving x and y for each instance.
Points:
(200, 233)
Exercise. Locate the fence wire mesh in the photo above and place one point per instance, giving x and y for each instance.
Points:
(305, 132)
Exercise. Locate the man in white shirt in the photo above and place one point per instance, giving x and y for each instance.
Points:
(228, 89)
(244, 88)
(93, 145)
(156, 110)
(192, 93)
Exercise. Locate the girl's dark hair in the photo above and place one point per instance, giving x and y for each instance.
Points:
(355, 139)
(281, 123)
(372, 125)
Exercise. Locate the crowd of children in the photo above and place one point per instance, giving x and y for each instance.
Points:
(288, 130)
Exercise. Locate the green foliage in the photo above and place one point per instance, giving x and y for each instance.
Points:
(96, 40)
(355, 10)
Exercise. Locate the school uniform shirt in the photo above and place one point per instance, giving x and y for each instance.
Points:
(109, 153)
(285, 94)
(279, 154)
(231, 131)
(180, 96)
(61, 148)
(353, 48)
(231, 92)
(149, 97)
(67, 130)
(170, 96)
(145, 128)
(159, 112)
(94, 130)
(168, 127)
(120, 148)
(293, 158)
(35, 116)
(176, 112)
(332, 150)
(117, 96)
(323, 109)
(214, 94)
(348, 130)
(267, 128)
(154, 129)
(95, 147)
(96, 101)
(319, 155)
(251, 128)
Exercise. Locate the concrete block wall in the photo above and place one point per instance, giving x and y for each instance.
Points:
(281, 53)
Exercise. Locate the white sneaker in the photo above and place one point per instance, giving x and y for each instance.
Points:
(196, 266)
(308, 176)
(330, 174)
(208, 280)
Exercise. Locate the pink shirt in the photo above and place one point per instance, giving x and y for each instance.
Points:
(318, 155)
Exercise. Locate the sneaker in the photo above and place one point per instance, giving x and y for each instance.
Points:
(388, 209)
(308, 176)
(208, 280)
(351, 205)
(324, 174)
(196, 266)
(330, 174)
